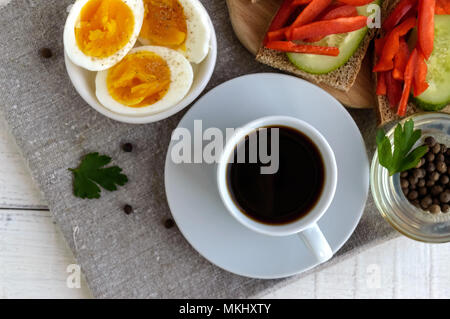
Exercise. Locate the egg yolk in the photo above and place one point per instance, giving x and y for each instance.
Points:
(104, 27)
(164, 23)
(140, 79)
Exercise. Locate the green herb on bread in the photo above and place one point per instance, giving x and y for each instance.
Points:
(91, 174)
(402, 157)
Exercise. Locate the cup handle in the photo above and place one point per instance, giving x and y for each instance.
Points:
(317, 243)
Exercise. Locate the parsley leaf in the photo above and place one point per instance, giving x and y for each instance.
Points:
(91, 172)
(402, 158)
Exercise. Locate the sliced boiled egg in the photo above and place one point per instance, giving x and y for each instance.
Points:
(99, 33)
(182, 25)
(147, 80)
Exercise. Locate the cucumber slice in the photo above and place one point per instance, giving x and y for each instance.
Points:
(347, 43)
(437, 96)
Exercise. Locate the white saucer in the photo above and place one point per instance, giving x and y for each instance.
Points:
(192, 192)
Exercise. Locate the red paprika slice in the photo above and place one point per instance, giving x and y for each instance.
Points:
(392, 45)
(381, 83)
(356, 3)
(420, 84)
(288, 46)
(400, 60)
(442, 7)
(300, 2)
(334, 12)
(312, 10)
(425, 26)
(281, 17)
(393, 90)
(400, 11)
(276, 35)
(379, 45)
(409, 76)
(340, 12)
(324, 28)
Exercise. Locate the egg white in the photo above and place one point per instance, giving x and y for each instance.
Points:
(181, 77)
(92, 63)
(198, 31)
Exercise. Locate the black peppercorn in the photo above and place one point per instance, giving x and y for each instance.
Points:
(430, 141)
(404, 183)
(46, 53)
(422, 191)
(128, 209)
(444, 179)
(413, 195)
(421, 183)
(169, 223)
(436, 190)
(436, 148)
(444, 197)
(441, 167)
(127, 147)
(426, 202)
(435, 209)
(435, 176)
(429, 183)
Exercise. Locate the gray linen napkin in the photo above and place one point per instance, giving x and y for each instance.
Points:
(122, 256)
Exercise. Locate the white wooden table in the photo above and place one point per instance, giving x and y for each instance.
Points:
(34, 257)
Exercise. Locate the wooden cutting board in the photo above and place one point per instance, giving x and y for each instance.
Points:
(251, 20)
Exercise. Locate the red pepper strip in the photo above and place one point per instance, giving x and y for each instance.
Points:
(335, 11)
(381, 83)
(281, 17)
(317, 39)
(400, 60)
(356, 2)
(398, 13)
(288, 46)
(379, 45)
(442, 7)
(392, 45)
(324, 28)
(340, 12)
(276, 35)
(393, 90)
(425, 26)
(311, 11)
(300, 2)
(420, 84)
(409, 75)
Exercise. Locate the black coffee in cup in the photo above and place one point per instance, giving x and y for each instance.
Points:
(286, 195)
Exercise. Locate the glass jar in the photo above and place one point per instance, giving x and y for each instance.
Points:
(388, 195)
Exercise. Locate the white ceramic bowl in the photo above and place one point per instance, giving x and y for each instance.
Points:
(84, 82)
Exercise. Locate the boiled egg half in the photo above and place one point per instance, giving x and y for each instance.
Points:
(148, 80)
(182, 25)
(99, 33)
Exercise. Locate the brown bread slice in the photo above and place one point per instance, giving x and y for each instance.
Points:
(383, 109)
(342, 79)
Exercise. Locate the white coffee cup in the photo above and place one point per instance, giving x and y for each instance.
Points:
(306, 227)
